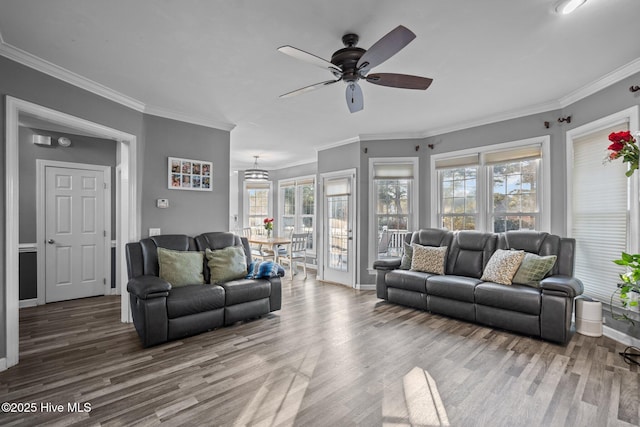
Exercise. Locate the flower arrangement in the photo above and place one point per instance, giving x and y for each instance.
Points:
(623, 144)
(268, 224)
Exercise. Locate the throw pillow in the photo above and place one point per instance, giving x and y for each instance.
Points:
(226, 264)
(181, 268)
(264, 270)
(428, 259)
(407, 257)
(533, 269)
(502, 266)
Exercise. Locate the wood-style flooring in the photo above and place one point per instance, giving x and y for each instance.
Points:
(332, 356)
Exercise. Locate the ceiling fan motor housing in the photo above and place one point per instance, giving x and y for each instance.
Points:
(347, 60)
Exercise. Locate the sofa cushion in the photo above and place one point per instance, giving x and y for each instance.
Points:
(428, 259)
(407, 257)
(193, 299)
(502, 266)
(245, 290)
(226, 264)
(181, 268)
(454, 287)
(523, 299)
(408, 280)
(533, 269)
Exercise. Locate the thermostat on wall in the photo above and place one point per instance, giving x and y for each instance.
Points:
(162, 203)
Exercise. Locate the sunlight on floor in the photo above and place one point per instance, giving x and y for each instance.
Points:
(278, 400)
(418, 403)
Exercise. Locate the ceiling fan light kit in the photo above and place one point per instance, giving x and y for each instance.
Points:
(351, 64)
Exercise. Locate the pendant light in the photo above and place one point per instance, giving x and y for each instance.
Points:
(256, 174)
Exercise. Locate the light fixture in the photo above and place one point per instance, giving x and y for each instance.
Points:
(256, 174)
(565, 7)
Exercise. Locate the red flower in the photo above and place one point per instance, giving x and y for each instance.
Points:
(618, 137)
(616, 146)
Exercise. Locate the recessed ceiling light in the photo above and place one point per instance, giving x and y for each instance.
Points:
(565, 7)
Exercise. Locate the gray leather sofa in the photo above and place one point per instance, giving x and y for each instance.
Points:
(543, 312)
(162, 313)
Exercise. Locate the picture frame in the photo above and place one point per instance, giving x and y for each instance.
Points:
(189, 174)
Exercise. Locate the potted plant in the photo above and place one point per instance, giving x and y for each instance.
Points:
(629, 289)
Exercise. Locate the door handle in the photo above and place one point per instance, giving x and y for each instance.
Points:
(51, 241)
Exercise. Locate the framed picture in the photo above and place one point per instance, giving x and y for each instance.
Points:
(188, 174)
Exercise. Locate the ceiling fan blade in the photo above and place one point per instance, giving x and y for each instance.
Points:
(403, 81)
(310, 58)
(355, 100)
(308, 88)
(385, 48)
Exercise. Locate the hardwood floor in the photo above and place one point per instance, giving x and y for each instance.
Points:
(332, 356)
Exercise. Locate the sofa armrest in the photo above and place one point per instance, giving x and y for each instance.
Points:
(146, 287)
(562, 285)
(387, 264)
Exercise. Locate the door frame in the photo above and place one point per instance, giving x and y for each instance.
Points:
(41, 211)
(352, 173)
(127, 214)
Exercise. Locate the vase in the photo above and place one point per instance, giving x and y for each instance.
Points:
(268, 234)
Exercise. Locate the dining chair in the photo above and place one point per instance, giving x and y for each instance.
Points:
(297, 251)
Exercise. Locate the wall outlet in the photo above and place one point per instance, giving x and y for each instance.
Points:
(154, 232)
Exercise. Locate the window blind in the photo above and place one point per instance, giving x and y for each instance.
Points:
(393, 171)
(600, 214)
(338, 187)
(457, 162)
(520, 153)
(257, 185)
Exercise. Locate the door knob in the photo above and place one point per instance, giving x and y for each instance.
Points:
(51, 241)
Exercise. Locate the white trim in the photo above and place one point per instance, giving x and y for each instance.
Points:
(630, 116)
(24, 248)
(183, 117)
(338, 143)
(483, 194)
(3, 364)
(362, 287)
(33, 302)
(41, 166)
(127, 217)
(414, 203)
(621, 337)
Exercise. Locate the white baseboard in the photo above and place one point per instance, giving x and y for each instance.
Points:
(28, 302)
(362, 287)
(620, 336)
(3, 364)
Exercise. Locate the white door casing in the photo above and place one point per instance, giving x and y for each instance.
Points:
(339, 232)
(77, 218)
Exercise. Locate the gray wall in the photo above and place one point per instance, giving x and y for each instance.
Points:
(189, 212)
(168, 138)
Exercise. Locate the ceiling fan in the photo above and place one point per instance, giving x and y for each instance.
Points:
(352, 63)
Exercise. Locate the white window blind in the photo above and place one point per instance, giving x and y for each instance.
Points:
(393, 171)
(600, 214)
(520, 153)
(338, 187)
(458, 162)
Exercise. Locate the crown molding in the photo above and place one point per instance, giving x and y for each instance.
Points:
(603, 82)
(25, 58)
(338, 143)
(181, 117)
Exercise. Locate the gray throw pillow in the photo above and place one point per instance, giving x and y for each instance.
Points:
(226, 264)
(407, 257)
(181, 268)
(533, 269)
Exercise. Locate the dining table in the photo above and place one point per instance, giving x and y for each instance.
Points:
(271, 242)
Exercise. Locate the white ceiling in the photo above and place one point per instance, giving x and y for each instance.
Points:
(216, 62)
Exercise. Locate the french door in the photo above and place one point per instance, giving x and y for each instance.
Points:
(339, 264)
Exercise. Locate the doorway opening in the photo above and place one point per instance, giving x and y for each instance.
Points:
(127, 216)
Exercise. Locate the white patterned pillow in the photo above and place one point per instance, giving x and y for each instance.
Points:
(428, 259)
(502, 266)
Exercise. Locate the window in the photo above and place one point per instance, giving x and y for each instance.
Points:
(496, 188)
(297, 208)
(392, 212)
(257, 205)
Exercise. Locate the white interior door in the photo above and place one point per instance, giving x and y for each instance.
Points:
(339, 213)
(75, 233)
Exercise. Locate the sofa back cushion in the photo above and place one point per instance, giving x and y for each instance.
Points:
(469, 253)
(216, 240)
(539, 243)
(149, 248)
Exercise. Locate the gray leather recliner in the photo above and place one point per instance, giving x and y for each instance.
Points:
(543, 312)
(162, 313)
